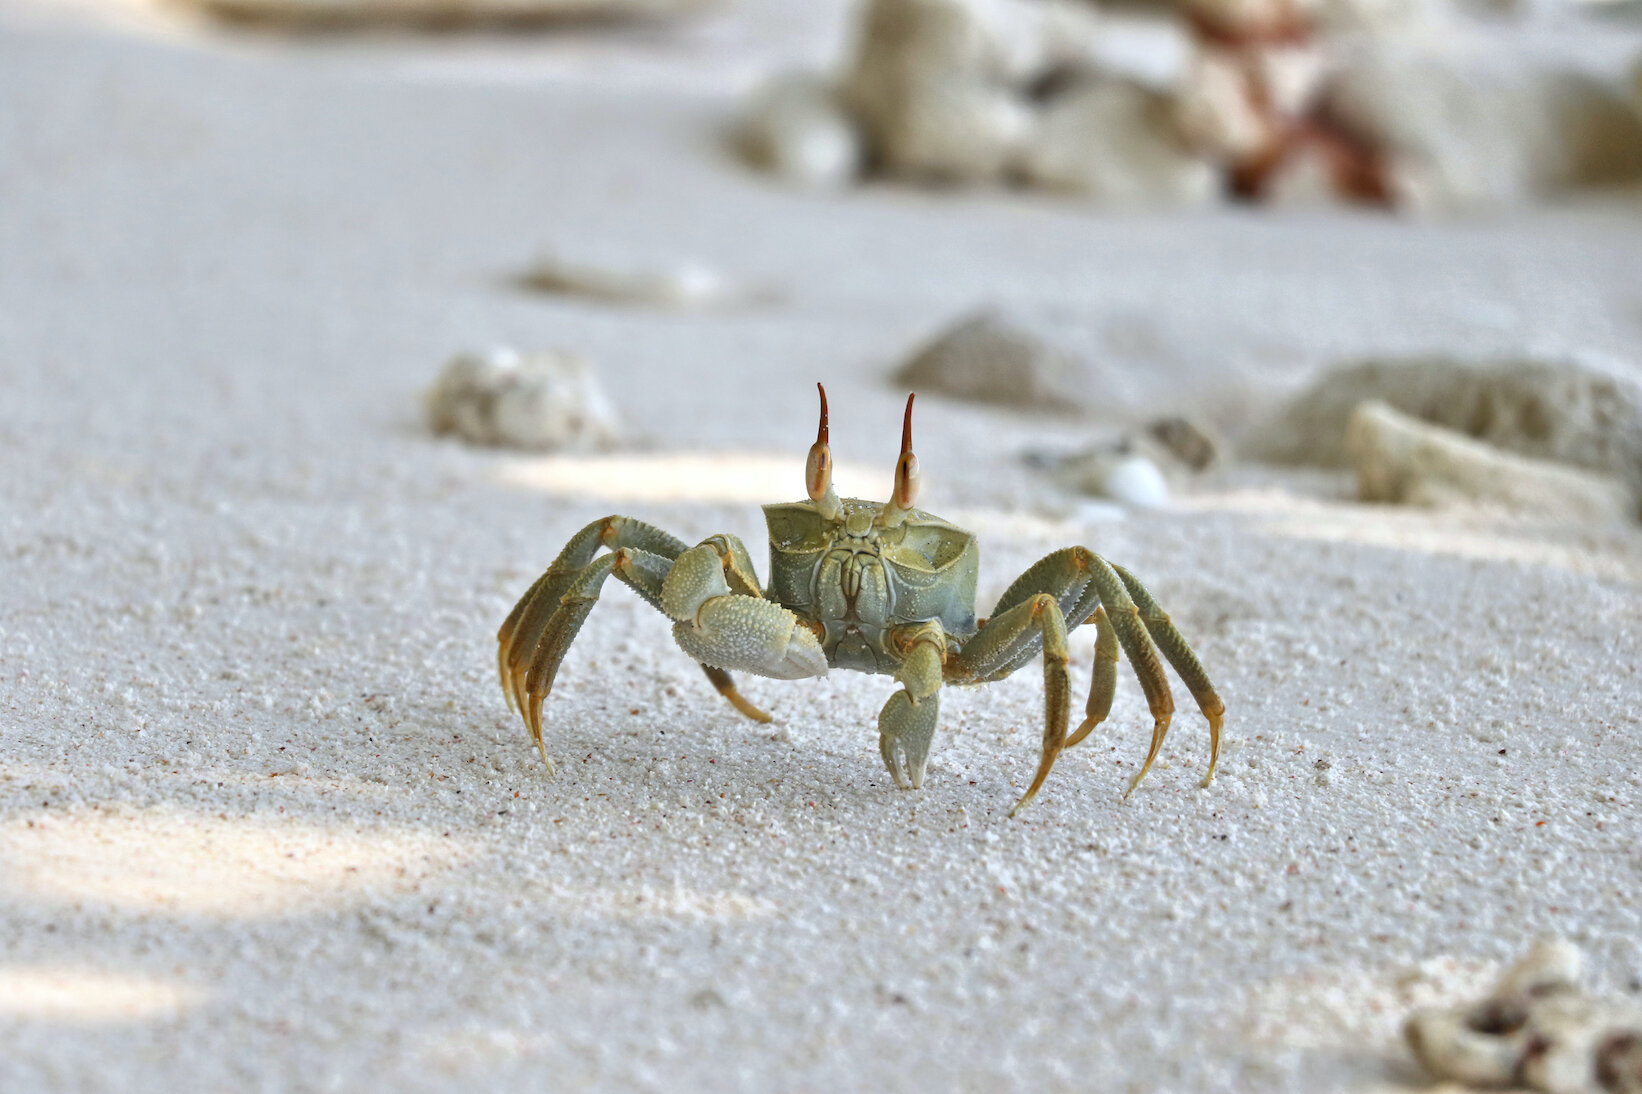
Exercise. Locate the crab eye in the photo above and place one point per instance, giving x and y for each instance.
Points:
(906, 468)
(818, 470)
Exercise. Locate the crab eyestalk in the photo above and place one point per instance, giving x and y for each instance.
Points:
(906, 477)
(818, 469)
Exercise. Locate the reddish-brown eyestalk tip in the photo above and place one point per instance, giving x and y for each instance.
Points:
(818, 469)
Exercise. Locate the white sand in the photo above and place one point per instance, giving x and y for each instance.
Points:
(266, 824)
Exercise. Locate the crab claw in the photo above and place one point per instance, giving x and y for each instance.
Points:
(905, 732)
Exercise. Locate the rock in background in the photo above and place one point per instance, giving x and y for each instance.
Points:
(1288, 101)
(1459, 136)
(940, 87)
(1403, 460)
(547, 401)
(444, 12)
(1553, 410)
(990, 358)
(1117, 143)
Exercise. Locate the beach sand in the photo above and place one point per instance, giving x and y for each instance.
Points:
(267, 824)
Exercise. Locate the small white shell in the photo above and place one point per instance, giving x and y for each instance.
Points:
(1116, 472)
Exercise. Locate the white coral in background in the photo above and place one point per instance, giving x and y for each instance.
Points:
(941, 87)
(546, 401)
(796, 128)
(1114, 141)
(1539, 1029)
(1459, 136)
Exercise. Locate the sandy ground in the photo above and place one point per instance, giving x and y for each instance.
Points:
(266, 824)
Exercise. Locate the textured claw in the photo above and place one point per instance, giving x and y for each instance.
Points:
(906, 730)
(892, 760)
(751, 635)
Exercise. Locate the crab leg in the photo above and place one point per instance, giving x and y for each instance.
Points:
(1184, 661)
(1103, 685)
(520, 635)
(522, 629)
(1127, 618)
(555, 639)
(1137, 645)
(1010, 638)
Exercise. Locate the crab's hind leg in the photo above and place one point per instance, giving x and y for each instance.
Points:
(1103, 682)
(1006, 641)
(1136, 642)
(1185, 662)
(1087, 588)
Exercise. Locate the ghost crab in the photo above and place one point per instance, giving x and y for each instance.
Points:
(881, 588)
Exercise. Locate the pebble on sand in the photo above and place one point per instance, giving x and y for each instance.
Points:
(547, 401)
(1407, 461)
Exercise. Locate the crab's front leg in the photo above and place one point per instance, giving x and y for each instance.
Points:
(733, 628)
(538, 631)
(906, 725)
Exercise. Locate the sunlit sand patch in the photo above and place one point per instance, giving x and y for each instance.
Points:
(62, 993)
(725, 477)
(171, 862)
(1458, 535)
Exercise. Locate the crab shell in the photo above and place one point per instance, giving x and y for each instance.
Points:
(857, 579)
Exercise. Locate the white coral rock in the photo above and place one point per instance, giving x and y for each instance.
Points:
(1115, 141)
(1402, 459)
(942, 86)
(1556, 409)
(1537, 1028)
(796, 129)
(546, 401)
(1461, 137)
